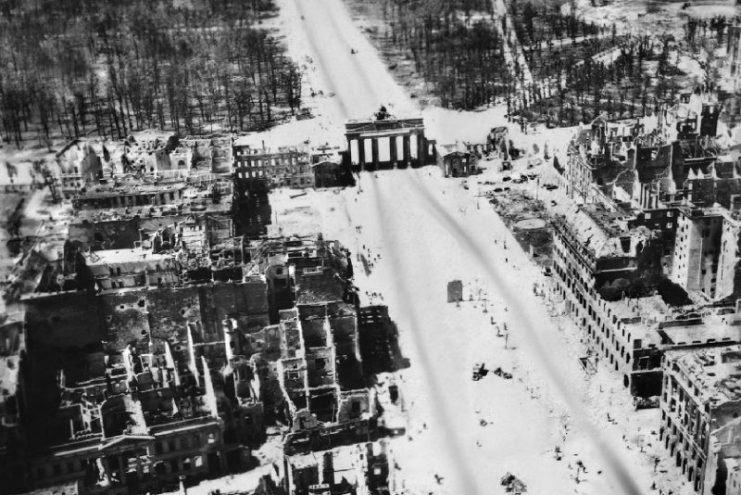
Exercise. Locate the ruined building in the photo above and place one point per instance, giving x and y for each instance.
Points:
(620, 256)
(159, 338)
(594, 298)
(361, 469)
(653, 169)
(129, 398)
(283, 167)
(599, 157)
(699, 411)
(79, 164)
(169, 355)
(319, 368)
(677, 179)
(648, 270)
(151, 373)
(697, 250)
(456, 161)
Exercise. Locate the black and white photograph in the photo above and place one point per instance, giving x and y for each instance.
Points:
(370, 247)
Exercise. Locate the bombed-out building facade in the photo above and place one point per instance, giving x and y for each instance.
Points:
(646, 261)
(699, 414)
(349, 470)
(152, 372)
(650, 166)
(157, 332)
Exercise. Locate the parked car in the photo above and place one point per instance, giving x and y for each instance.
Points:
(479, 371)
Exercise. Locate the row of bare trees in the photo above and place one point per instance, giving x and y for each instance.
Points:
(698, 30)
(638, 81)
(458, 47)
(544, 22)
(457, 52)
(460, 52)
(75, 67)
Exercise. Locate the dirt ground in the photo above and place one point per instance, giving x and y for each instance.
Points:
(515, 206)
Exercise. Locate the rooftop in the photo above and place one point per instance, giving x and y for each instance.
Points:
(446, 149)
(120, 256)
(345, 461)
(600, 230)
(257, 146)
(700, 330)
(183, 207)
(715, 371)
(130, 187)
(641, 314)
(650, 309)
(728, 440)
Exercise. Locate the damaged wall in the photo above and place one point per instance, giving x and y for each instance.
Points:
(247, 302)
(170, 310)
(126, 317)
(321, 286)
(109, 234)
(265, 341)
(729, 269)
(353, 405)
(314, 332)
(320, 366)
(323, 403)
(379, 341)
